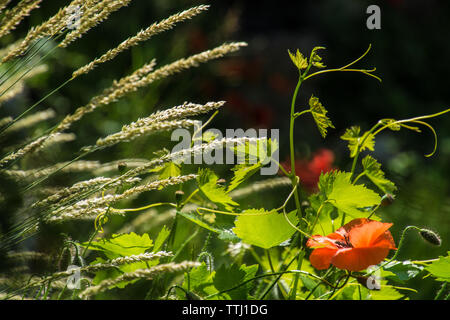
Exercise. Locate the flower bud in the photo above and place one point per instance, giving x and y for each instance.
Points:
(431, 237)
(179, 196)
(387, 200)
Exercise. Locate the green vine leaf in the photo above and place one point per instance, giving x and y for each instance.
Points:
(241, 173)
(352, 135)
(372, 169)
(319, 114)
(207, 183)
(347, 197)
(200, 280)
(252, 152)
(386, 293)
(229, 277)
(299, 60)
(440, 268)
(391, 124)
(315, 59)
(121, 245)
(265, 229)
(223, 234)
(402, 270)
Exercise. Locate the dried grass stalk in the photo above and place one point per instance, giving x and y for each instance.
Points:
(109, 95)
(139, 274)
(143, 35)
(15, 15)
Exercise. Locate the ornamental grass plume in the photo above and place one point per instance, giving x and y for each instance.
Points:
(15, 15)
(141, 36)
(139, 274)
(355, 246)
(108, 95)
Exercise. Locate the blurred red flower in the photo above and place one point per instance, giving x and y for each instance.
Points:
(354, 247)
(309, 171)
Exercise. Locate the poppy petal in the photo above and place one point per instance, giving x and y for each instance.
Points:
(357, 259)
(321, 258)
(367, 234)
(345, 229)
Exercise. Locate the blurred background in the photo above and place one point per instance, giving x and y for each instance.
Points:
(410, 53)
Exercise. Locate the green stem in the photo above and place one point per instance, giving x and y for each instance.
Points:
(291, 145)
(400, 244)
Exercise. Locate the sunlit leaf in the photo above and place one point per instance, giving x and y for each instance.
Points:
(345, 196)
(352, 135)
(319, 114)
(373, 171)
(386, 293)
(230, 277)
(161, 238)
(207, 183)
(121, 245)
(440, 268)
(264, 229)
(403, 270)
(299, 60)
(241, 173)
(315, 59)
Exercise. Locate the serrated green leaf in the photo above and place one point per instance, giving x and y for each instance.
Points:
(403, 270)
(207, 183)
(345, 196)
(319, 114)
(386, 293)
(264, 229)
(259, 150)
(121, 245)
(315, 59)
(299, 60)
(169, 170)
(161, 238)
(241, 173)
(391, 124)
(311, 284)
(440, 268)
(372, 170)
(196, 219)
(200, 280)
(352, 135)
(228, 277)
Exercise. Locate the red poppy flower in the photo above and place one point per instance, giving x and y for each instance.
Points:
(354, 247)
(310, 171)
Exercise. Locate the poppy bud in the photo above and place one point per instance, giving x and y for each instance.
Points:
(179, 196)
(431, 237)
(387, 200)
